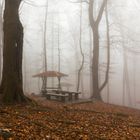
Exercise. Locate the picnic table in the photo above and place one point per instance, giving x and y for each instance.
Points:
(63, 95)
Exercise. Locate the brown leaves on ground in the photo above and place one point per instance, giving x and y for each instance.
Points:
(56, 121)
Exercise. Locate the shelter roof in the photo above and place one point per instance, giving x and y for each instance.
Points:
(50, 74)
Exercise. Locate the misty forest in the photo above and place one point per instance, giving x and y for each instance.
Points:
(69, 70)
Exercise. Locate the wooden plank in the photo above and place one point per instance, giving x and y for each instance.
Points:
(53, 94)
(62, 96)
(55, 88)
(69, 92)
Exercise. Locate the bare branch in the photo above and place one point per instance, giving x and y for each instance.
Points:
(91, 17)
(101, 11)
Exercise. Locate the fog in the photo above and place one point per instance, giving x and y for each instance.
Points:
(63, 31)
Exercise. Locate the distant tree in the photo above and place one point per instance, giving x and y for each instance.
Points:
(44, 87)
(126, 79)
(11, 86)
(76, 34)
(134, 77)
(81, 50)
(90, 59)
(106, 81)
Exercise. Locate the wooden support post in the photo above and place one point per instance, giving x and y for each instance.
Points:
(48, 96)
(63, 99)
(76, 96)
(70, 97)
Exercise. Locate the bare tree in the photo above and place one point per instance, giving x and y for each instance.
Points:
(81, 50)
(94, 23)
(134, 78)
(90, 59)
(44, 85)
(59, 53)
(53, 46)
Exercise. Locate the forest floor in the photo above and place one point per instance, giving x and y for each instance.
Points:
(53, 120)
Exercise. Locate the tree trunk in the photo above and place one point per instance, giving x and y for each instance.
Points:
(11, 86)
(126, 81)
(80, 70)
(53, 45)
(90, 58)
(95, 65)
(1, 39)
(45, 47)
(134, 78)
(59, 54)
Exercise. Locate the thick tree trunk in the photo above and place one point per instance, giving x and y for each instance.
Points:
(1, 40)
(11, 86)
(95, 65)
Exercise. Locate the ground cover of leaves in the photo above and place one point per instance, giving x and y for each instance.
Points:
(56, 121)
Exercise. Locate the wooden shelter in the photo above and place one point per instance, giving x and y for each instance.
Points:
(57, 93)
(47, 74)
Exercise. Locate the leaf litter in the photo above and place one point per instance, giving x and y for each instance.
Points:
(51, 120)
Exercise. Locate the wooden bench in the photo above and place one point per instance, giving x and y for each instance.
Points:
(70, 94)
(62, 97)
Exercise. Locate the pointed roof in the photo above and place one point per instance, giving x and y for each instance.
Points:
(50, 74)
